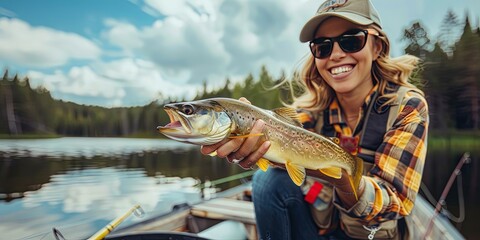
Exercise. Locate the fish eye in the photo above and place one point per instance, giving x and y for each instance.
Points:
(188, 109)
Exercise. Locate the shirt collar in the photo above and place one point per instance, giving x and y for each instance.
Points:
(335, 112)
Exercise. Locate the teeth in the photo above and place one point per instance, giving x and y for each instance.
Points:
(338, 70)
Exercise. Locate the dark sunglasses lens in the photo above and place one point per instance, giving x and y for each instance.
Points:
(349, 43)
(352, 42)
(321, 48)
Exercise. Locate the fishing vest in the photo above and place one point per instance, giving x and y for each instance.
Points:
(378, 120)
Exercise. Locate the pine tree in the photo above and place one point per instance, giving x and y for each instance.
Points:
(449, 33)
(465, 62)
(437, 78)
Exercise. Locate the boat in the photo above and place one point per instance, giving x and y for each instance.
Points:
(424, 223)
(230, 215)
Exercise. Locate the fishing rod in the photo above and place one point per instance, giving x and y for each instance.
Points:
(227, 179)
(137, 210)
(464, 159)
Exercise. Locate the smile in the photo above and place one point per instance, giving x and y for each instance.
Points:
(341, 69)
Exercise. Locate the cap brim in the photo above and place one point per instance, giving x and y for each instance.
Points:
(308, 30)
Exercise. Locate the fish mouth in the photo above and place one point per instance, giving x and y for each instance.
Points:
(178, 124)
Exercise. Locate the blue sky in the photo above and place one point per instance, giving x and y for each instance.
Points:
(130, 52)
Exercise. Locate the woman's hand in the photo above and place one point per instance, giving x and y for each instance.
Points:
(243, 151)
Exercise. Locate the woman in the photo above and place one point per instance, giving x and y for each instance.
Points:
(352, 90)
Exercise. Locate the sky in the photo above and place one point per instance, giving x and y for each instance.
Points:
(114, 53)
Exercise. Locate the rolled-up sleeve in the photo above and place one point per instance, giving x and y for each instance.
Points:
(393, 183)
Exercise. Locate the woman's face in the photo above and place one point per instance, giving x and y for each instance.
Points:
(347, 73)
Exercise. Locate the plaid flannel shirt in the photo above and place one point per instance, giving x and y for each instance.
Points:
(392, 184)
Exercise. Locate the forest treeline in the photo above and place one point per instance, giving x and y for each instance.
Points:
(450, 78)
(25, 110)
(33, 111)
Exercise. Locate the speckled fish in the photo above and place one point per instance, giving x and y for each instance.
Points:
(209, 121)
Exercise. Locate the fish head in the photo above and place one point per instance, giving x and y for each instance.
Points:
(203, 122)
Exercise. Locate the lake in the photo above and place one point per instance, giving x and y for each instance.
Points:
(78, 185)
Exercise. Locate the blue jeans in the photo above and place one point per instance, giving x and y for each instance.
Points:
(280, 208)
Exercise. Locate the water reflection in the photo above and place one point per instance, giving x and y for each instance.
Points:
(79, 185)
(85, 147)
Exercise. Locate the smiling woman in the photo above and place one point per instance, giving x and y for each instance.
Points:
(350, 81)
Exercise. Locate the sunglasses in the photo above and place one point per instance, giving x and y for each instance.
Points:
(350, 42)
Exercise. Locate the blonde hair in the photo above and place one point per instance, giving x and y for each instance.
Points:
(317, 94)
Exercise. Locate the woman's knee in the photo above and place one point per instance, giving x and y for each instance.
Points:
(272, 177)
(274, 182)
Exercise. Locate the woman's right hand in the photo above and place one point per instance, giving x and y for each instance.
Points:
(243, 151)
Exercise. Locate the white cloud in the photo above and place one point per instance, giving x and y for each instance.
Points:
(188, 42)
(122, 34)
(120, 82)
(78, 81)
(264, 33)
(145, 77)
(31, 46)
(196, 40)
(183, 50)
(192, 42)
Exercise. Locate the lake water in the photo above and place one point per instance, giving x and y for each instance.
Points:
(78, 185)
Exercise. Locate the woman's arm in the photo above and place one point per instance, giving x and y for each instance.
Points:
(396, 176)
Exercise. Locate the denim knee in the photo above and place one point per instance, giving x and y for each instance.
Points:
(279, 202)
(274, 183)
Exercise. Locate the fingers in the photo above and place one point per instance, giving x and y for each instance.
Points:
(241, 151)
(208, 149)
(249, 144)
(237, 148)
(252, 159)
(230, 147)
(222, 148)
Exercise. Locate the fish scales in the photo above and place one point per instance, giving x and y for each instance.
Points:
(209, 121)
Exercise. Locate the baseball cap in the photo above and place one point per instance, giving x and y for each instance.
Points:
(360, 12)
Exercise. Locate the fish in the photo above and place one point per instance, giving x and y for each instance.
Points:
(209, 121)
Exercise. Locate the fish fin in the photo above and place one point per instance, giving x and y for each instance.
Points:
(213, 154)
(246, 135)
(287, 114)
(352, 184)
(357, 175)
(296, 173)
(263, 164)
(333, 172)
